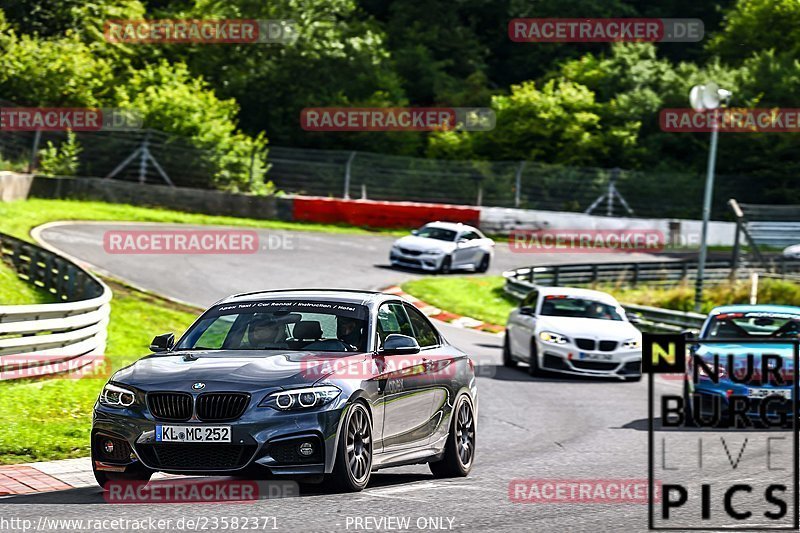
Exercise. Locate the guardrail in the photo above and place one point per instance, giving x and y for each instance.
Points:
(650, 272)
(47, 339)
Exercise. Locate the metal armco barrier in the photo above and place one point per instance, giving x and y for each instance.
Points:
(46, 339)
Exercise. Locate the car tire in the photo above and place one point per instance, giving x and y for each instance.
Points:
(138, 474)
(483, 266)
(533, 361)
(353, 466)
(459, 451)
(508, 360)
(446, 266)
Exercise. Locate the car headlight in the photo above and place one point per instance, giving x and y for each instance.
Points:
(632, 344)
(553, 338)
(308, 398)
(433, 252)
(115, 396)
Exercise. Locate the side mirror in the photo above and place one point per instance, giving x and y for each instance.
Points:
(526, 310)
(414, 231)
(397, 344)
(162, 343)
(461, 242)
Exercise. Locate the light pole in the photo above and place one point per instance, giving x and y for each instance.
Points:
(707, 98)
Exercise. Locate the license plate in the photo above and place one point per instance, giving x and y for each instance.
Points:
(193, 433)
(595, 356)
(763, 393)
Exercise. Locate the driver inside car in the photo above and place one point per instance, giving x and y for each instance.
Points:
(265, 333)
(348, 330)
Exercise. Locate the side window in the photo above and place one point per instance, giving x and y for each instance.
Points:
(530, 300)
(423, 331)
(392, 318)
(470, 235)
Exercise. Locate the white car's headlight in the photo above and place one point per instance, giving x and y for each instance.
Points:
(553, 338)
(632, 344)
(435, 251)
(307, 398)
(115, 396)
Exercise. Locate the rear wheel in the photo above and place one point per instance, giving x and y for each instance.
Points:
(459, 452)
(483, 266)
(508, 360)
(353, 466)
(533, 362)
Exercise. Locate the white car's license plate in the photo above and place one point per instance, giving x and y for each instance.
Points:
(763, 393)
(595, 356)
(193, 433)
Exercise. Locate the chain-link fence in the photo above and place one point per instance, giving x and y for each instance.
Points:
(150, 156)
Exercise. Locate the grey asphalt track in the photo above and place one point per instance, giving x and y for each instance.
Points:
(544, 428)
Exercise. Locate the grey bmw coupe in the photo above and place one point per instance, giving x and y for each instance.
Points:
(319, 385)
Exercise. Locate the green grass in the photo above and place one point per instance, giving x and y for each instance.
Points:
(483, 297)
(477, 297)
(17, 218)
(16, 291)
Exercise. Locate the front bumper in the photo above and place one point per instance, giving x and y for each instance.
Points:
(263, 439)
(425, 262)
(569, 359)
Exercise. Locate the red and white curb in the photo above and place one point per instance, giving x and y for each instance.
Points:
(445, 316)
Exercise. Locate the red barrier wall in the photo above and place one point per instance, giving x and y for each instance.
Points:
(376, 214)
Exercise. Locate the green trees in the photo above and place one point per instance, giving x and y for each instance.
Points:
(571, 104)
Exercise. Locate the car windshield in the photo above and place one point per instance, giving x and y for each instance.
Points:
(759, 325)
(280, 325)
(569, 306)
(439, 234)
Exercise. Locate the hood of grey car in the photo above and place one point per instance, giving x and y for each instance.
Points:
(233, 369)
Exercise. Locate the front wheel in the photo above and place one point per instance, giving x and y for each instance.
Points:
(353, 466)
(483, 266)
(533, 362)
(459, 452)
(508, 360)
(447, 265)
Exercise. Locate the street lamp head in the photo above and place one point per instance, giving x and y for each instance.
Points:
(708, 96)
